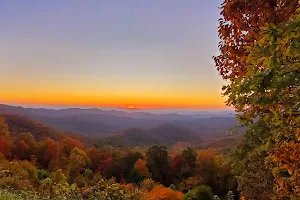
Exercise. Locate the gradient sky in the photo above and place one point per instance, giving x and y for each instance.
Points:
(110, 53)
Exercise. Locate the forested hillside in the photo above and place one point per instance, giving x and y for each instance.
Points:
(35, 166)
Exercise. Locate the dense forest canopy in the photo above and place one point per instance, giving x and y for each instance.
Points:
(67, 168)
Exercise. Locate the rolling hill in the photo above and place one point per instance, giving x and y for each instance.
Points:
(166, 134)
(18, 124)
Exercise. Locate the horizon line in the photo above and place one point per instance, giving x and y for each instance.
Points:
(125, 107)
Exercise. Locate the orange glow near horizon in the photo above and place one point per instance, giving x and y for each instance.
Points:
(130, 101)
(148, 102)
(137, 96)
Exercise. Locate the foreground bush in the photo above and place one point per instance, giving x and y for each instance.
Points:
(199, 193)
(6, 195)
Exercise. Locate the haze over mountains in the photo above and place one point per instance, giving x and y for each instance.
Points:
(120, 128)
(98, 123)
(166, 134)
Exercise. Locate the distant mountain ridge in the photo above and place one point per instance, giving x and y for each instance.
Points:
(136, 114)
(102, 123)
(94, 111)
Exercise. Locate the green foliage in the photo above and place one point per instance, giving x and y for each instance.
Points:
(134, 177)
(199, 193)
(190, 157)
(88, 173)
(77, 162)
(42, 174)
(173, 187)
(248, 160)
(158, 163)
(127, 162)
(179, 169)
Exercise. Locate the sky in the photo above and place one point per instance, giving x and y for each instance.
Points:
(133, 53)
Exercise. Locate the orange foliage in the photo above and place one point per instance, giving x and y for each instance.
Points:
(177, 163)
(5, 139)
(129, 186)
(160, 192)
(240, 27)
(69, 144)
(24, 146)
(287, 176)
(141, 168)
(51, 151)
(189, 183)
(5, 146)
(206, 157)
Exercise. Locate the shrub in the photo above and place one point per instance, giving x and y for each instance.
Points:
(42, 174)
(199, 193)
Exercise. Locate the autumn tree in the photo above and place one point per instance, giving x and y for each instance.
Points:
(106, 161)
(189, 183)
(240, 27)
(24, 146)
(109, 168)
(5, 139)
(4, 132)
(190, 157)
(77, 162)
(157, 159)
(278, 106)
(179, 169)
(128, 161)
(141, 168)
(96, 156)
(139, 172)
(214, 172)
(48, 154)
(68, 144)
(207, 167)
(260, 58)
